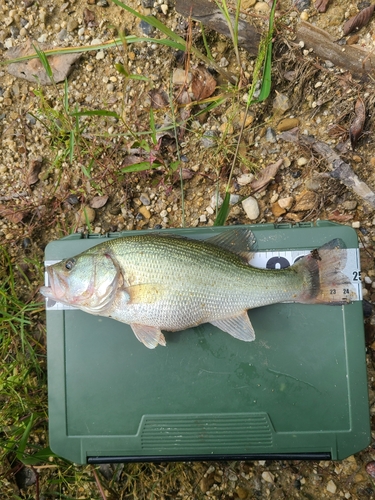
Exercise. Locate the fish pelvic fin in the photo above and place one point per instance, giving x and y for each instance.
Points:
(324, 281)
(238, 326)
(150, 336)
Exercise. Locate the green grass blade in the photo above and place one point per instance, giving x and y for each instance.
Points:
(152, 127)
(44, 60)
(71, 145)
(98, 112)
(141, 166)
(267, 78)
(66, 96)
(223, 212)
(25, 436)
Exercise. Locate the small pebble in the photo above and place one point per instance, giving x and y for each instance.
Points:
(61, 35)
(245, 179)
(331, 487)
(164, 8)
(349, 204)
(261, 8)
(163, 213)
(270, 135)
(216, 200)
(146, 28)
(234, 198)
(144, 212)
(251, 208)
(72, 24)
(268, 476)
(209, 139)
(302, 161)
(203, 218)
(356, 224)
(145, 199)
(100, 55)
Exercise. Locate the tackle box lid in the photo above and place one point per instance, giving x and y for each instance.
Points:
(299, 391)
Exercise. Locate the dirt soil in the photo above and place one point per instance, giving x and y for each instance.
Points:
(45, 194)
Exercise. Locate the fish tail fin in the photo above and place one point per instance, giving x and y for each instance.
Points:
(323, 278)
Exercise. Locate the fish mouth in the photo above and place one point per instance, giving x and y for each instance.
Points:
(57, 288)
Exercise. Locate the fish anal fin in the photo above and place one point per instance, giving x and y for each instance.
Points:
(242, 242)
(150, 336)
(238, 326)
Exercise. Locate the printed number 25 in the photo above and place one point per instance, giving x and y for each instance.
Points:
(356, 275)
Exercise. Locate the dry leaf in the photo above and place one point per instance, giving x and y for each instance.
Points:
(11, 214)
(186, 174)
(34, 171)
(98, 201)
(33, 70)
(159, 98)
(266, 176)
(321, 5)
(356, 127)
(358, 21)
(89, 18)
(339, 217)
(203, 84)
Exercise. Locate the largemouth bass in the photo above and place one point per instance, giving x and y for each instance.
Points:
(156, 282)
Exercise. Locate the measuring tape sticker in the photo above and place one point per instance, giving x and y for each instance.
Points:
(265, 260)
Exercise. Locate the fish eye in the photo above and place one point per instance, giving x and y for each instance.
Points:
(69, 264)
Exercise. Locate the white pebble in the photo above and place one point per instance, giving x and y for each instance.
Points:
(163, 213)
(100, 55)
(164, 8)
(203, 218)
(268, 476)
(245, 179)
(368, 280)
(216, 200)
(81, 31)
(301, 161)
(356, 224)
(42, 38)
(251, 207)
(331, 487)
(210, 210)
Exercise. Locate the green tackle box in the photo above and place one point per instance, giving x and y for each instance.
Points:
(299, 391)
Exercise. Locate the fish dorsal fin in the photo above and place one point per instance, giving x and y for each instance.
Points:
(239, 241)
(238, 326)
(150, 336)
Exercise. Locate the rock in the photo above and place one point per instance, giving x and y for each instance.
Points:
(203, 218)
(280, 104)
(242, 493)
(331, 487)
(245, 179)
(216, 201)
(305, 201)
(180, 77)
(85, 215)
(234, 198)
(286, 202)
(287, 124)
(72, 24)
(145, 199)
(356, 224)
(251, 207)
(302, 161)
(209, 139)
(370, 469)
(312, 184)
(144, 211)
(246, 4)
(270, 135)
(268, 476)
(349, 205)
(146, 28)
(262, 8)
(277, 210)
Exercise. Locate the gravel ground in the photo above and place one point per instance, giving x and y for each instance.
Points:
(44, 195)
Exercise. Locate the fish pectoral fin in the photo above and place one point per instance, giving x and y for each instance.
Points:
(239, 327)
(145, 293)
(150, 336)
